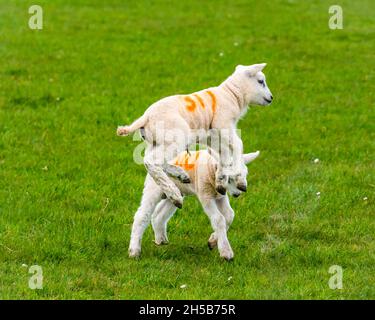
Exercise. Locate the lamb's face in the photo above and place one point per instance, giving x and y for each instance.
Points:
(252, 83)
(235, 188)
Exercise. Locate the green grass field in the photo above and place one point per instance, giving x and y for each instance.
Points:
(69, 187)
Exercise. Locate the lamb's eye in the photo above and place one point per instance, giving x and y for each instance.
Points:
(261, 81)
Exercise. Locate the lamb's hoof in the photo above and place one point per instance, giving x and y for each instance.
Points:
(134, 253)
(185, 179)
(183, 176)
(176, 198)
(161, 242)
(177, 203)
(227, 254)
(212, 242)
(229, 259)
(122, 131)
(221, 190)
(241, 187)
(212, 245)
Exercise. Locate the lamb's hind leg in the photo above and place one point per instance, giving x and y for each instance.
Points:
(163, 212)
(176, 172)
(150, 198)
(154, 161)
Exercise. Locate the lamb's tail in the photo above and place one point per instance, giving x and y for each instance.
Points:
(137, 124)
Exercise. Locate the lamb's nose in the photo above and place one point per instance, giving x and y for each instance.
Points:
(271, 97)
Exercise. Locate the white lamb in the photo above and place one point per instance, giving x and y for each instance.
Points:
(201, 167)
(217, 108)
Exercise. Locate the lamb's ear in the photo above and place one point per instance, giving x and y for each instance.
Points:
(255, 68)
(240, 67)
(248, 157)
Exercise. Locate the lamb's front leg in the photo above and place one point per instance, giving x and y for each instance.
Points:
(151, 197)
(219, 143)
(226, 210)
(240, 179)
(231, 150)
(163, 212)
(219, 225)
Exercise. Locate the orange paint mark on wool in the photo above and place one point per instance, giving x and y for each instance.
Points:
(200, 100)
(213, 98)
(191, 106)
(186, 161)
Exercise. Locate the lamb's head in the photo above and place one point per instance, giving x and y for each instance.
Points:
(238, 183)
(250, 82)
(234, 187)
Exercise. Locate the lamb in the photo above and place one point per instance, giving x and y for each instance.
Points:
(201, 167)
(172, 124)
